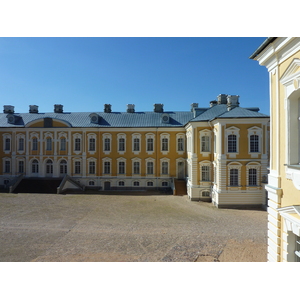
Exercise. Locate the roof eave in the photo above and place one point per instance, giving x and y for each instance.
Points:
(263, 46)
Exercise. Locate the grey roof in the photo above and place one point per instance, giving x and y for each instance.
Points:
(262, 47)
(220, 111)
(137, 119)
(113, 119)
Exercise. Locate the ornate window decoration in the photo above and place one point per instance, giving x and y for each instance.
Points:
(6, 143)
(205, 194)
(6, 165)
(92, 166)
(34, 138)
(77, 166)
(121, 137)
(254, 141)
(35, 167)
(164, 167)
(21, 165)
(77, 142)
(232, 137)
(20, 143)
(150, 138)
(62, 138)
(63, 167)
(106, 141)
(150, 167)
(136, 143)
(92, 138)
(49, 167)
(205, 171)
(205, 142)
(234, 170)
(180, 143)
(106, 166)
(121, 163)
(164, 142)
(136, 167)
(48, 138)
(253, 170)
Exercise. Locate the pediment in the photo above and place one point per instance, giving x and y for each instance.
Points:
(292, 72)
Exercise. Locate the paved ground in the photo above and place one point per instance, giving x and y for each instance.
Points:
(37, 227)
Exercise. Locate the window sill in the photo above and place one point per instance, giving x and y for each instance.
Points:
(293, 173)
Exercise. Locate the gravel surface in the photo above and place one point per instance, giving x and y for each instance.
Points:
(119, 228)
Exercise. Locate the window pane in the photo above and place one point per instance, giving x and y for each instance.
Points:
(136, 167)
(34, 144)
(63, 144)
(205, 144)
(180, 144)
(150, 167)
(107, 144)
(234, 179)
(107, 167)
(21, 144)
(77, 144)
(121, 167)
(92, 167)
(254, 143)
(136, 144)
(49, 144)
(252, 177)
(149, 144)
(92, 144)
(121, 144)
(232, 143)
(205, 173)
(164, 146)
(164, 167)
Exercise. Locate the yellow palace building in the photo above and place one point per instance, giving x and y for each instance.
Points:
(281, 56)
(219, 152)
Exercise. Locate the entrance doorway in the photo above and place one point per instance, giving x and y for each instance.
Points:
(106, 185)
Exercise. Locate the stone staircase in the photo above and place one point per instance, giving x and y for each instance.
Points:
(180, 187)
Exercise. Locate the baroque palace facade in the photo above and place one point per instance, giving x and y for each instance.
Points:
(221, 151)
(281, 57)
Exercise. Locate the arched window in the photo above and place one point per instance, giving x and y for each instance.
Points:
(35, 166)
(63, 167)
(49, 166)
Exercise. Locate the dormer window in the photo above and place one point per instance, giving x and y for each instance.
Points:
(165, 118)
(95, 118)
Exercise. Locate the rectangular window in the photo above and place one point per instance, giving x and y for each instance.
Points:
(136, 144)
(164, 144)
(121, 144)
(21, 144)
(92, 167)
(107, 144)
(7, 166)
(205, 170)
(252, 177)
(106, 167)
(21, 166)
(180, 144)
(150, 167)
(150, 144)
(232, 143)
(77, 144)
(205, 144)
(164, 168)
(234, 177)
(49, 144)
(297, 249)
(34, 144)
(136, 167)
(63, 144)
(121, 167)
(92, 144)
(7, 144)
(77, 167)
(254, 143)
(150, 183)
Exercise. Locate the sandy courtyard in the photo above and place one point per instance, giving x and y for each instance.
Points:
(110, 228)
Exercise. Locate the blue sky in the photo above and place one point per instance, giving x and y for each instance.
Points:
(85, 73)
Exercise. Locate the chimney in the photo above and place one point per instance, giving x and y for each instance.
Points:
(58, 108)
(222, 99)
(159, 108)
(213, 103)
(8, 109)
(232, 101)
(193, 105)
(33, 109)
(107, 108)
(130, 108)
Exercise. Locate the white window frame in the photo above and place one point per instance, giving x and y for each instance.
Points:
(135, 136)
(20, 136)
(207, 149)
(90, 161)
(106, 160)
(92, 136)
(232, 131)
(77, 163)
(163, 137)
(63, 166)
(21, 160)
(48, 136)
(6, 136)
(178, 137)
(164, 160)
(105, 137)
(7, 162)
(123, 160)
(150, 136)
(136, 160)
(119, 137)
(77, 138)
(34, 167)
(62, 135)
(237, 166)
(205, 164)
(252, 132)
(257, 167)
(149, 160)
